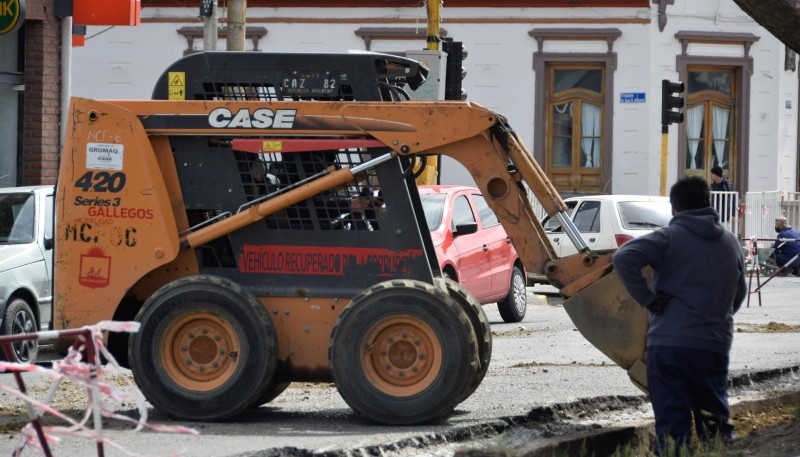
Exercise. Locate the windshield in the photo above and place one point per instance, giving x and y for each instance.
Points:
(16, 218)
(433, 205)
(645, 215)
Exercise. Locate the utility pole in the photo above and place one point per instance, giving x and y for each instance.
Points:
(237, 14)
(208, 11)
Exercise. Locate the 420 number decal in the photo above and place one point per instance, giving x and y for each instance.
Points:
(101, 181)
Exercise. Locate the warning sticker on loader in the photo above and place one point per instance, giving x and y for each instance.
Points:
(177, 85)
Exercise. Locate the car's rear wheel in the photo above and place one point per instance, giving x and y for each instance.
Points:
(18, 319)
(514, 306)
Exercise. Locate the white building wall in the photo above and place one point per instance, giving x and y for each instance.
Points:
(125, 62)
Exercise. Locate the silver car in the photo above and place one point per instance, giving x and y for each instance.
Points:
(26, 265)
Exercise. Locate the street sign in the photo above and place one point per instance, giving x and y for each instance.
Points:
(12, 15)
(632, 97)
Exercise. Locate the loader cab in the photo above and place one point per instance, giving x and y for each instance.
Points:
(368, 231)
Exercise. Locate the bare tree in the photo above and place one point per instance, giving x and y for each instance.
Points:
(780, 17)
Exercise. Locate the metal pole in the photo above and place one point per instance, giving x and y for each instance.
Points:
(210, 29)
(434, 18)
(237, 13)
(664, 154)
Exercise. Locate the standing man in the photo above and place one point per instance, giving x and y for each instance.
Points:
(698, 284)
(720, 183)
(786, 250)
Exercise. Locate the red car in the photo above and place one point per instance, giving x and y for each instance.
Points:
(473, 248)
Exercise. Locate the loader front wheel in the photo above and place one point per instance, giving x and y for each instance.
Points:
(401, 353)
(480, 324)
(206, 349)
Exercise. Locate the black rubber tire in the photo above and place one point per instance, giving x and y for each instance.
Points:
(206, 349)
(401, 353)
(18, 318)
(480, 325)
(515, 305)
(274, 390)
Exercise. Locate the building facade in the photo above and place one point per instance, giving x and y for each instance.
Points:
(580, 81)
(30, 91)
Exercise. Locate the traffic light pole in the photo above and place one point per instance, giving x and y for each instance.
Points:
(430, 172)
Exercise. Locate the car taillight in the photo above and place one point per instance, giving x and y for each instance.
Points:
(622, 238)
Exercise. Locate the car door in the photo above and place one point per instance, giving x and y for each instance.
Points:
(501, 253)
(587, 218)
(473, 260)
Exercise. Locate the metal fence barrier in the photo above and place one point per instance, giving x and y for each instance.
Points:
(761, 209)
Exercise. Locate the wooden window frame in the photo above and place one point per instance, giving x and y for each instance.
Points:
(743, 75)
(608, 60)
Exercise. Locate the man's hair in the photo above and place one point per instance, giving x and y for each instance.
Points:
(690, 192)
(717, 171)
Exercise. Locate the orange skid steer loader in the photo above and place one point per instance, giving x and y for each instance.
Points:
(225, 225)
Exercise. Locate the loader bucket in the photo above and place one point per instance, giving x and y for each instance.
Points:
(614, 322)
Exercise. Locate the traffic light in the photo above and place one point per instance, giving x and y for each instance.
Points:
(455, 73)
(671, 99)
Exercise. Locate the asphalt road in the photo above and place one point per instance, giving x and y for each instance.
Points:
(542, 361)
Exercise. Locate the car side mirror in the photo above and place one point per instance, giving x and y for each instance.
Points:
(465, 228)
(48, 243)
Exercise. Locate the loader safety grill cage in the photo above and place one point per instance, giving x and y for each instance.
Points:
(369, 227)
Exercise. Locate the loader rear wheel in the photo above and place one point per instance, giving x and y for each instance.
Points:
(480, 324)
(206, 349)
(401, 353)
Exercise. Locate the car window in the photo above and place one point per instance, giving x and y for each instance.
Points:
(587, 217)
(645, 215)
(552, 225)
(487, 216)
(433, 207)
(16, 218)
(462, 211)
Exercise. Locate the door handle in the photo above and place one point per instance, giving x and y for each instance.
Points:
(508, 240)
(485, 248)
(592, 240)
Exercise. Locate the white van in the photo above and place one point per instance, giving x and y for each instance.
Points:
(26, 265)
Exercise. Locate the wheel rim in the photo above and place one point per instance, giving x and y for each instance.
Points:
(520, 299)
(23, 323)
(401, 355)
(200, 351)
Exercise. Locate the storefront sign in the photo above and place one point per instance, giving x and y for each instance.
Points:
(12, 15)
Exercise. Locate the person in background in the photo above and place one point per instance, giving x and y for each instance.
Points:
(786, 250)
(720, 183)
(698, 284)
(723, 203)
